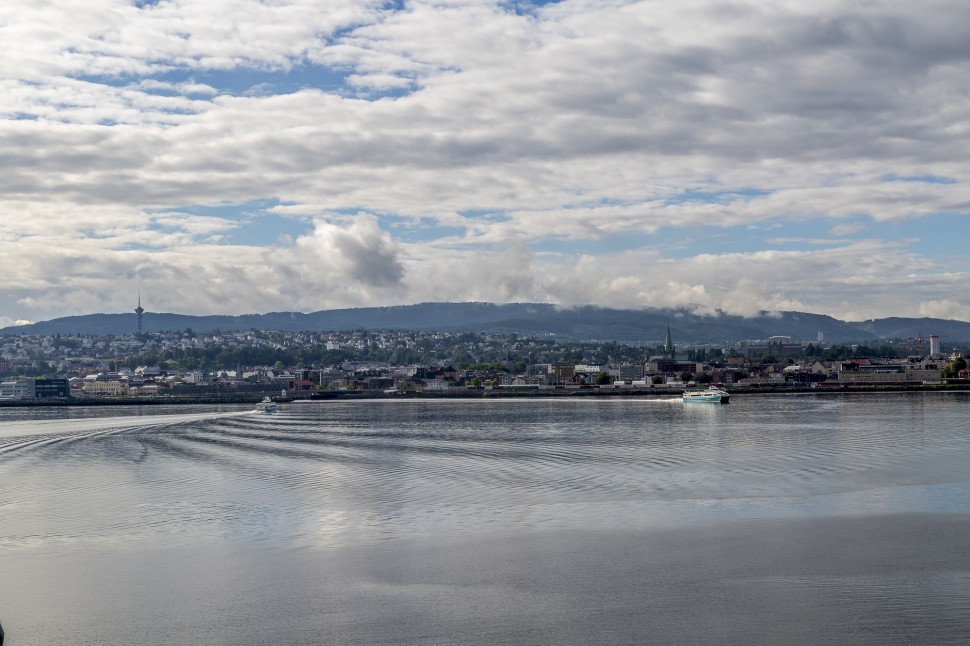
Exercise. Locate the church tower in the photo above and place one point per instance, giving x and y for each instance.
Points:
(138, 312)
(669, 346)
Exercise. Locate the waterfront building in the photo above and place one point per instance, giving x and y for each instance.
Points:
(47, 388)
(105, 388)
(630, 371)
(16, 390)
(194, 377)
(145, 390)
(764, 379)
(859, 372)
(561, 373)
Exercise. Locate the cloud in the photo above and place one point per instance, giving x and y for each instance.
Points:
(180, 88)
(6, 321)
(351, 261)
(115, 37)
(846, 229)
(946, 308)
(360, 253)
(571, 152)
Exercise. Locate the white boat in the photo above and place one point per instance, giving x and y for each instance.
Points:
(709, 394)
(266, 406)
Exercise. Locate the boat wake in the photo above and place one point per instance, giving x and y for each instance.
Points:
(24, 434)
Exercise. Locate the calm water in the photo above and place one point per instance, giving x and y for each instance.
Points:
(774, 519)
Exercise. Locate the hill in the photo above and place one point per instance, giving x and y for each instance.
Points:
(903, 328)
(532, 319)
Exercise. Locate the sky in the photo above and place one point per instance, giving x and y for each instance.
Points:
(249, 156)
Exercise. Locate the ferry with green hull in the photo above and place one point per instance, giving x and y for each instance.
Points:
(711, 394)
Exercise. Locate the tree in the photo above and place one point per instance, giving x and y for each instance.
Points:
(686, 376)
(603, 378)
(657, 379)
(704, 378)
(953, 368)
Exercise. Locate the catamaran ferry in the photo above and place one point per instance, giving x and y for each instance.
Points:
(709, 394)
(266, 406)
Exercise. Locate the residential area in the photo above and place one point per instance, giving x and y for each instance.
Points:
(252, 364)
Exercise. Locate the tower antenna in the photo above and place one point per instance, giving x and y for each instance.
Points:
(138, 312)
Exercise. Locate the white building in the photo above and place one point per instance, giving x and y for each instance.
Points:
(194, 377)
(16, 390)
(105, 388)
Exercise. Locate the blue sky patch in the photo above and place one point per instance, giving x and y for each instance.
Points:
(266, 228)
(255, 225)
(941, 236)
(526, 7)
(929, 179)
(717, 197)
(426, 231)
(239, 81)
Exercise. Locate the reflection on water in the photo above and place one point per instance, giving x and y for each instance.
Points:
(574, 485)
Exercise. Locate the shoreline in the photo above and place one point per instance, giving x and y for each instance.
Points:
(476, 393)
(631, 392)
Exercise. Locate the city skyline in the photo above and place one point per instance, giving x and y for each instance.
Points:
(232, 157)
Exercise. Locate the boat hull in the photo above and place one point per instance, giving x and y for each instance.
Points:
(710, 396)
(266, 406)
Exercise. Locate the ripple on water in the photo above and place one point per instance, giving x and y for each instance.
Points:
(384, 457)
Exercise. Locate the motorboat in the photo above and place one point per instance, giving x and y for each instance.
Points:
(709, 394)
(266, 406)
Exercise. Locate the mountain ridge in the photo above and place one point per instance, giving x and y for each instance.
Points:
(583, 322)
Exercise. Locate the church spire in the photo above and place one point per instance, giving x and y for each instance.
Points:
(669, 344)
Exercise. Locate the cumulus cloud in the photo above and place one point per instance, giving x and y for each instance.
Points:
(360, 253)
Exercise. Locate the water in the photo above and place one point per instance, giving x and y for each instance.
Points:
(774, 519)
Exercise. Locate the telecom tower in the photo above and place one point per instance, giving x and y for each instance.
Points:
(138, 312)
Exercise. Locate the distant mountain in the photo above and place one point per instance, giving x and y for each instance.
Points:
(902, 328)
(533, 319)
